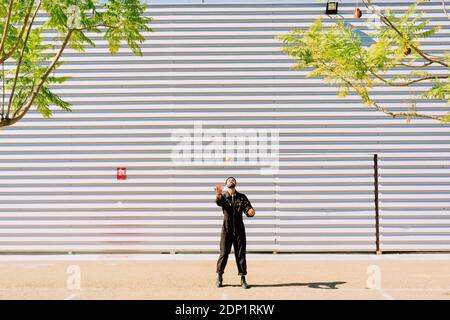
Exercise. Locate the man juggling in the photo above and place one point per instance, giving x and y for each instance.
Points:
(233, 204)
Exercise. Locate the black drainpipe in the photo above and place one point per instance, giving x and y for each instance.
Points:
(377, 212)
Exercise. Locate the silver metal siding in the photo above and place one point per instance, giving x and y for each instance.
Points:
(220, 64)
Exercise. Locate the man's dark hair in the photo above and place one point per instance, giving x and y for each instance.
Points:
(229, 178)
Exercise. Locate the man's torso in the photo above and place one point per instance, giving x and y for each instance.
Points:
(233, 220)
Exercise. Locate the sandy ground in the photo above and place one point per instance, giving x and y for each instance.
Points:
(183, 276)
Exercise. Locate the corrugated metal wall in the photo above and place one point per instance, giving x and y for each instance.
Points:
(219, 64)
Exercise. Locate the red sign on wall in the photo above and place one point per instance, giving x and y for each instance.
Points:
(121, 173)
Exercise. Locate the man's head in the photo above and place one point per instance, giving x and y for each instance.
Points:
(230, 182)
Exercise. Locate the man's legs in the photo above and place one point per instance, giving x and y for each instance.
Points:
(226, 242)
(239, 253)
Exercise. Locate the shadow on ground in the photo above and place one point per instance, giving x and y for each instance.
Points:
(314, 285)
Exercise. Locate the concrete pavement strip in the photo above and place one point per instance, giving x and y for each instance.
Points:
(192, 276)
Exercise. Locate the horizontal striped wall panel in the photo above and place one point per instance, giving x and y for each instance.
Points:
(414, 203)
(220, 65)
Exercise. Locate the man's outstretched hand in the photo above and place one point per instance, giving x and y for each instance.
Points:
(218, 189)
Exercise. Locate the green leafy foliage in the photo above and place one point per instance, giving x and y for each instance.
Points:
(338, 55)
(35, 59)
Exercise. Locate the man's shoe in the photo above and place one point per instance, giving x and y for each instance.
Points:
(244, 283)
(219, 281)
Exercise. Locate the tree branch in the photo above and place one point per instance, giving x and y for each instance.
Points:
(387, 22)
(392, 114)
(419, 66)
(405, 84)
(3, 90)
(5, 30)
(22, 30)
(380, 108)
(36, 89)
(401, 84)
(19, 63)
(95, 26)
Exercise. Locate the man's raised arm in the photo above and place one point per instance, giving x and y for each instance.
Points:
(220, 200)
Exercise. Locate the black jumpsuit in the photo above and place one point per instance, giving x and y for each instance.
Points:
(233, 230)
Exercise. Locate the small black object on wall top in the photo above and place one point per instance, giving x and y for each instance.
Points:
(332, 7)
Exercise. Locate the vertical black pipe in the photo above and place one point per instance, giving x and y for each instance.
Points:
(377, 212)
